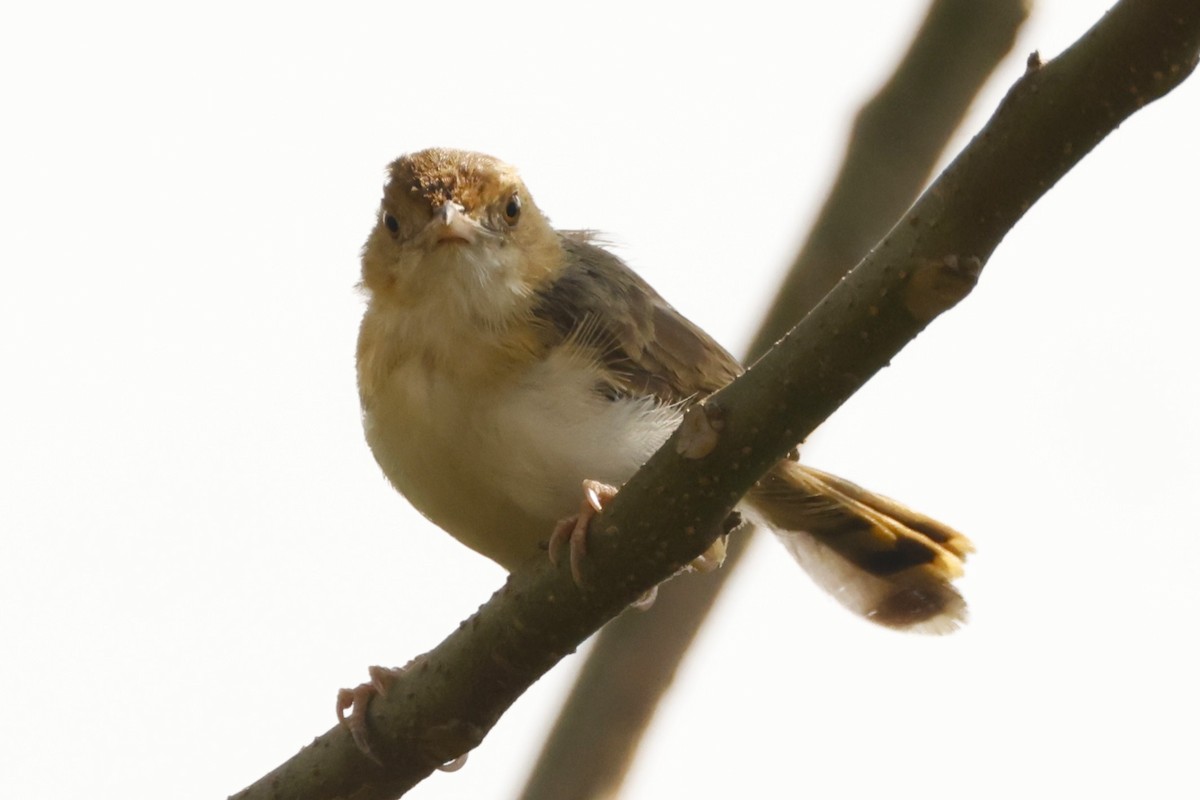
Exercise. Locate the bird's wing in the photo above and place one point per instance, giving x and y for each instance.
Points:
(647, 347)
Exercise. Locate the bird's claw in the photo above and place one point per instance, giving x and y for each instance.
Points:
(573, 530)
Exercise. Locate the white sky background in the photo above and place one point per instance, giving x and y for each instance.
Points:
(198, 549)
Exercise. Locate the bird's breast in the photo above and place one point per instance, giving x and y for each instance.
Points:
(496, 459)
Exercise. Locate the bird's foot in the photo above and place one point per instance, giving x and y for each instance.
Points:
(572, 531)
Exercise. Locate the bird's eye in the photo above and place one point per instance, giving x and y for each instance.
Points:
(390, 222)
(512, 211)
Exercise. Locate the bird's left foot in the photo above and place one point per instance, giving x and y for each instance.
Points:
(573, 530)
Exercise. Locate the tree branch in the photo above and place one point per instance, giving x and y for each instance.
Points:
(894, 145)
(672, 508)
(896, 140)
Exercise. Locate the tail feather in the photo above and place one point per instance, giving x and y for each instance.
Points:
(882, 560)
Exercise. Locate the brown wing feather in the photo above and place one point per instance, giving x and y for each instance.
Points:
(648, 346)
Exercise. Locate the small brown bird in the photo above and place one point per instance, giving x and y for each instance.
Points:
(502, 364)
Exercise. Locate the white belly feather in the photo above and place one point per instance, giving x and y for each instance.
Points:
(498, 465)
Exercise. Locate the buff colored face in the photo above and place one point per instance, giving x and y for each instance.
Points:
(460, 228)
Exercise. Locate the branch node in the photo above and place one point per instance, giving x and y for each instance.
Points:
(938, 285)
(700, 430)
(446, 745)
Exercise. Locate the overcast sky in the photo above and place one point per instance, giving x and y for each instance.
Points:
(198, 549)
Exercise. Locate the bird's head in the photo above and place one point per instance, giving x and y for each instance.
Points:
(461, 230)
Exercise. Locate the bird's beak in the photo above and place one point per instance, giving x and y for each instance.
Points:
(451, 224)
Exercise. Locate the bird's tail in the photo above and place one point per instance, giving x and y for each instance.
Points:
(878, 558)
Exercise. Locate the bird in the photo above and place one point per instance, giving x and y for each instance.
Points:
(505, 368)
